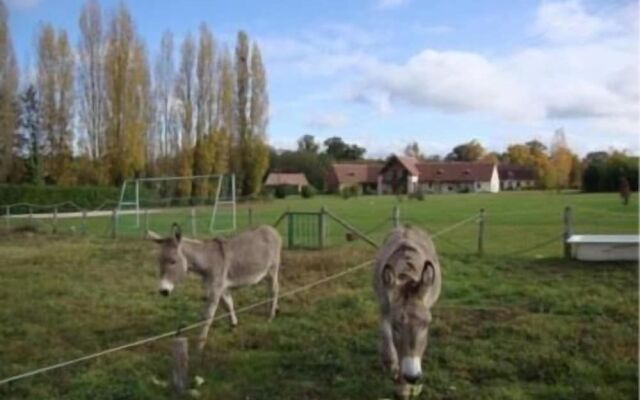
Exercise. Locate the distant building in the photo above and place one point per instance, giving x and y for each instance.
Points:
(297, 180)
(363, 176)
(516, 177)
(408, 175)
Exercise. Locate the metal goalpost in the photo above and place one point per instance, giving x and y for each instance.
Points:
(220, 199)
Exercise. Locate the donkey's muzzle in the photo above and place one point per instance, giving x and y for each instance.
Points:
(411, 369)
(412, 378)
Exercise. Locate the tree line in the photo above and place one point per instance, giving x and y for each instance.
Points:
(554, 167)
(103, 111)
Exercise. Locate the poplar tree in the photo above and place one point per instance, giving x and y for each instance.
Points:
(55, 88)
(164, 75)
(561, 161)
(8, 88)
(92, 107)
(258, 118)
(204, 152)
(30, 139)
(127, 90)
(242, 160)
(185, 92)
(226, 122)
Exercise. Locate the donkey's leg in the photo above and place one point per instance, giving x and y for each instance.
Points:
(210, 312)
(388, 351)
(228, 302)
(275, 289)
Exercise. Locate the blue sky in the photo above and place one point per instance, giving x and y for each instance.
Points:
(382, 73)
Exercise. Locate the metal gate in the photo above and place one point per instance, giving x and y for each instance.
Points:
(306, 230)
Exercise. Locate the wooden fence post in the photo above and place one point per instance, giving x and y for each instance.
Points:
(481, 233)
(250, 216)
(396, 216)
(114, 223)
(7, 218)
(30, 216)
(180, 364)
(84, 222)
(567, 232)
(54, 228)
(193, 222)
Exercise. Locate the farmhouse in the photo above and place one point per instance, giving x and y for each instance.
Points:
(275, 179)
(516, 177)
(409, 175)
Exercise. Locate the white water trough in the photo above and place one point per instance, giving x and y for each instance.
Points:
(604, 247)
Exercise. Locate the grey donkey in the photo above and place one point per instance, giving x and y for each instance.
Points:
(407, 284)
(222, 264)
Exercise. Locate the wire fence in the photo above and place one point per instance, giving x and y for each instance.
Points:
(107, 221)
(478, 222)
(201, 323)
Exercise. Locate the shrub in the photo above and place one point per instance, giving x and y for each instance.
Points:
(418, 195)
(350, 191)
(308, 192)
(280, 192)
(84, 196)
(266, 194)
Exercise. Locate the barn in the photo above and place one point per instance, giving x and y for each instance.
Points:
(297, 180)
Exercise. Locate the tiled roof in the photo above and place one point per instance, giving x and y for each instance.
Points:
(292, 179)
(455, 172)
(356, 173)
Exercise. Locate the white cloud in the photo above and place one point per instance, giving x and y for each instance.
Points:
(587, 78)
(453, 81)
(327, 120)
(325, 50)
(594, 79)
(564, 21)
(23, 4)
(383, 4)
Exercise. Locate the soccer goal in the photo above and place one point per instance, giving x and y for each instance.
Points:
(215, 193)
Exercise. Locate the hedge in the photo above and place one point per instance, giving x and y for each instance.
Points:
(88, 197)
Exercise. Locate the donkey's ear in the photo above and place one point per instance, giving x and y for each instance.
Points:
(428, 274)
(155, 237)
(176, 232)
(388, 276)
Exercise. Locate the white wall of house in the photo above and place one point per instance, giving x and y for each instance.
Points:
(495, 180)
(412, 184)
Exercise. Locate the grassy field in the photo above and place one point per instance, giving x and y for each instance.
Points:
(518, 323)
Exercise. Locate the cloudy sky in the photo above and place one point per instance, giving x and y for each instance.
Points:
(382, 73)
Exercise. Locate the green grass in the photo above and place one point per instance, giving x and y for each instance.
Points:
(508, 326)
